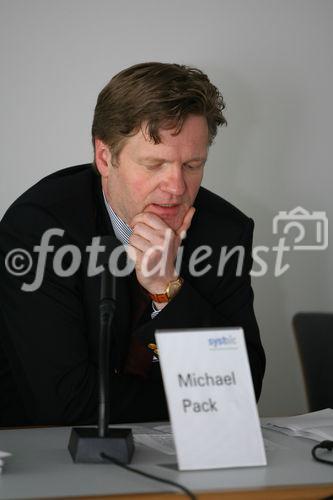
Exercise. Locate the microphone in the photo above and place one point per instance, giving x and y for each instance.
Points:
(88, 444)
(107, 308)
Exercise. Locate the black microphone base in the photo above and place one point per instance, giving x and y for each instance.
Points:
(86, 446)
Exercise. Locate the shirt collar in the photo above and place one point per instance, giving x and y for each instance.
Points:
(121, 229)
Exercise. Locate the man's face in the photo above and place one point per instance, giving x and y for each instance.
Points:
(160, 178)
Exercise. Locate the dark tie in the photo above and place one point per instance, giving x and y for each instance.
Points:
(139, 357)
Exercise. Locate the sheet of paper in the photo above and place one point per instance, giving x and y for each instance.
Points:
(159, 442)
(158, 437)
(3, 455)
(316, 425)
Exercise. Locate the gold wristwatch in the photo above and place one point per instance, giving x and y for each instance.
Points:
(171, 290)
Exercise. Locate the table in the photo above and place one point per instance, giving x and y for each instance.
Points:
(41, 467)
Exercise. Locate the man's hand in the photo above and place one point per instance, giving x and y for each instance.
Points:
(154, 245)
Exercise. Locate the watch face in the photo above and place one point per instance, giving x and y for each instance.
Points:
(174, 287)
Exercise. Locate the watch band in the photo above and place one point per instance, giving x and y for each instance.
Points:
(159, 297)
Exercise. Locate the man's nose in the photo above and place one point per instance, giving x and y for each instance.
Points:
(173, 180)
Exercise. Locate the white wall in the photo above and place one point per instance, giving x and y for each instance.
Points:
(273, 62)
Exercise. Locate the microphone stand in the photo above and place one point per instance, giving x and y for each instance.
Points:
(86, 444)
(107, 308)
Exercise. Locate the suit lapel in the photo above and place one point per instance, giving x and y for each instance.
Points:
(122, 320)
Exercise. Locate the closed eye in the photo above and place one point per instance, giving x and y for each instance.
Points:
(153, 166)
(194, 167)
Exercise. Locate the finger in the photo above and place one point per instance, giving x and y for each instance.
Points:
(147, 232)
(186, 222)
(149, 219)
(133, 253)
(154, 236)
(139, 242)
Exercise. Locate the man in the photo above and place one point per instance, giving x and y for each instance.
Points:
(152, 128)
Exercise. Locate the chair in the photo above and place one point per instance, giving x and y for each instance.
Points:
(314, 337)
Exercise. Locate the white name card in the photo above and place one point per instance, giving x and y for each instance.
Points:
(211, 399)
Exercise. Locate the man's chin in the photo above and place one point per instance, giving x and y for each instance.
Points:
(174, 223)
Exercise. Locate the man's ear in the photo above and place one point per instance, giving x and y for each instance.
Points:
(102, 157)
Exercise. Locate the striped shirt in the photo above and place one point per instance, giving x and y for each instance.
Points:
(121, 229)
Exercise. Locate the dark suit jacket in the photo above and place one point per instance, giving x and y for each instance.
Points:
(49, 338)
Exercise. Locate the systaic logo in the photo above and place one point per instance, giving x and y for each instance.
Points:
(222, 342)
